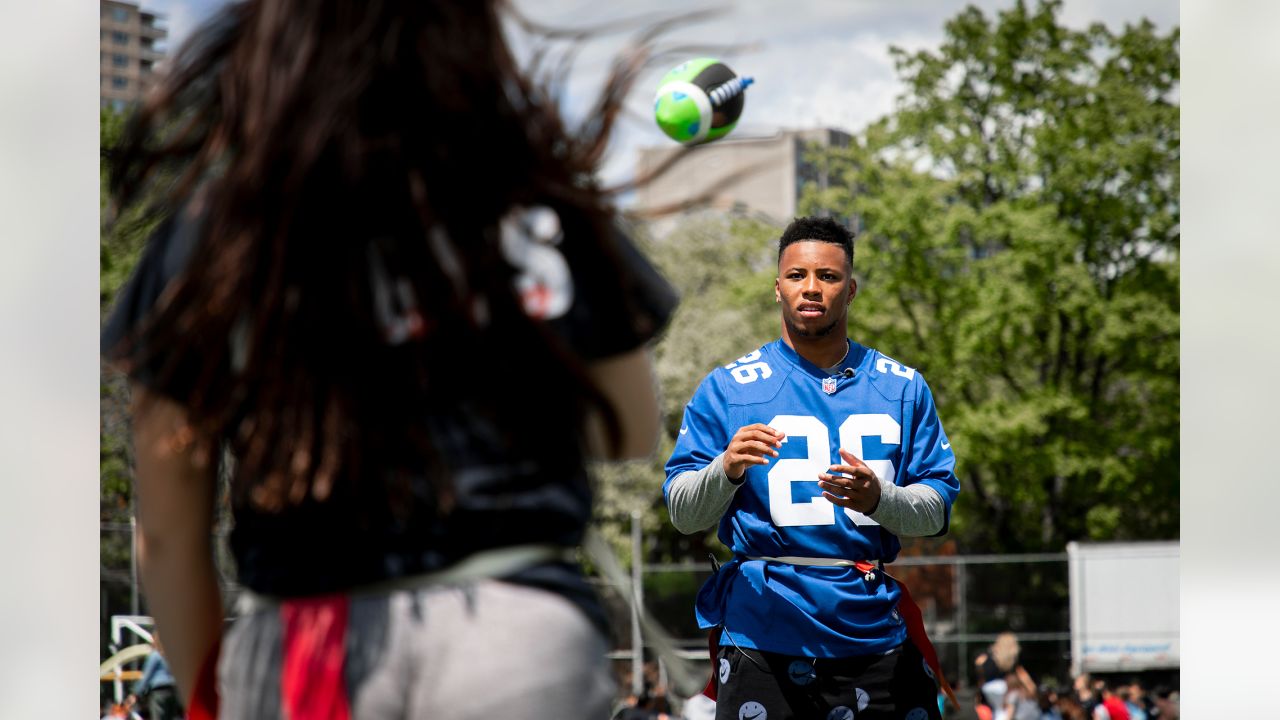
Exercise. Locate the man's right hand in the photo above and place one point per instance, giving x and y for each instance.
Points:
(751, 445)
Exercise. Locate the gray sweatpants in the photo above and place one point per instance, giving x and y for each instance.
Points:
(486, 649)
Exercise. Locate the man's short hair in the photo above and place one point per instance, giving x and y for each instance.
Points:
(820, 229)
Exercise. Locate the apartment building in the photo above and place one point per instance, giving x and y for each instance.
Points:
(763, 177)
(132, 43)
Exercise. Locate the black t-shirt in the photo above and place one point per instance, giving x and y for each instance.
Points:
(990, 671)
(316, 547)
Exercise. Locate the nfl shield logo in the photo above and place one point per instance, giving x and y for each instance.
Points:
(829, 385)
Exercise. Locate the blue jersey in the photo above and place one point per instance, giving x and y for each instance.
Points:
(884, 414)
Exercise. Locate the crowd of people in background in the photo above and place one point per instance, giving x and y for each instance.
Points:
(1093, 698)
(651, 703)
(1089, 698)
(1005, 691)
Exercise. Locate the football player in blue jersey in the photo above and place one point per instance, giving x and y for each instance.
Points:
(814, 454)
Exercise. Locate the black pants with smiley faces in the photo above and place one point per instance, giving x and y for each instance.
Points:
(756, 685)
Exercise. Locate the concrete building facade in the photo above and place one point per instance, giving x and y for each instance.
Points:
(762, 177)
(132, 43)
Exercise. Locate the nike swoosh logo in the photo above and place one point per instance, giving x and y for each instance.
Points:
(945, 446)
(684, 430)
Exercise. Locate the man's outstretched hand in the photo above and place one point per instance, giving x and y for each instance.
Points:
(751, 445)
(855, 487)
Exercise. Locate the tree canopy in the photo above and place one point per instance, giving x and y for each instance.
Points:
(1018, 219)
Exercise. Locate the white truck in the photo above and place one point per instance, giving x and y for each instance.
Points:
(1124, 606)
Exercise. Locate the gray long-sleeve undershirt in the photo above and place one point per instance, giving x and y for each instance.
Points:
(698, 498)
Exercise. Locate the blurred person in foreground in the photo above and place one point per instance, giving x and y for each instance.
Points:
(804, 620)
(390, 292)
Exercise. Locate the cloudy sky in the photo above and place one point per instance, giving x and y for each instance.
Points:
(816, 62)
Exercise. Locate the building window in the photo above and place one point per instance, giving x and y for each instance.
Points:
(120, 38)
(119, 105)
(145, 66)
(119, 83)
(119, 14)
(119, 60)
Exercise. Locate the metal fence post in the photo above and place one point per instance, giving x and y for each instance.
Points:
(133, 564)
(962, 621)
(637, 589)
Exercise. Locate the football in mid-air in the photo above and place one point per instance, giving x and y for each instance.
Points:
(699, 100)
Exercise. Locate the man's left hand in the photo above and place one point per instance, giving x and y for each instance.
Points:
(855, 487)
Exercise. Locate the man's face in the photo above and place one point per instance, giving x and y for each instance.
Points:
(815, 288)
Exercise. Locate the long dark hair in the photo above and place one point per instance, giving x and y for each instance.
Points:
(303, 132)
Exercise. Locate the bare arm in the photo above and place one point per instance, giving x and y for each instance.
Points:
(175, 491)
(1025, 678)
(627, 382)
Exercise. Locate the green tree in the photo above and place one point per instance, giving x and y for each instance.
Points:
(120, 245)
(723, 268)
(123, 234)
(1019, 245)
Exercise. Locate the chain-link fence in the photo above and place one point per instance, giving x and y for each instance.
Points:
(966, 601)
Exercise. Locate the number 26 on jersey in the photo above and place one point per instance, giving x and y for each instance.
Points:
(786, 512)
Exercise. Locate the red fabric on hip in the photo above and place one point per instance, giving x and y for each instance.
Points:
(203, 703)
(914, 619)
(710, 690)
(311, 682)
